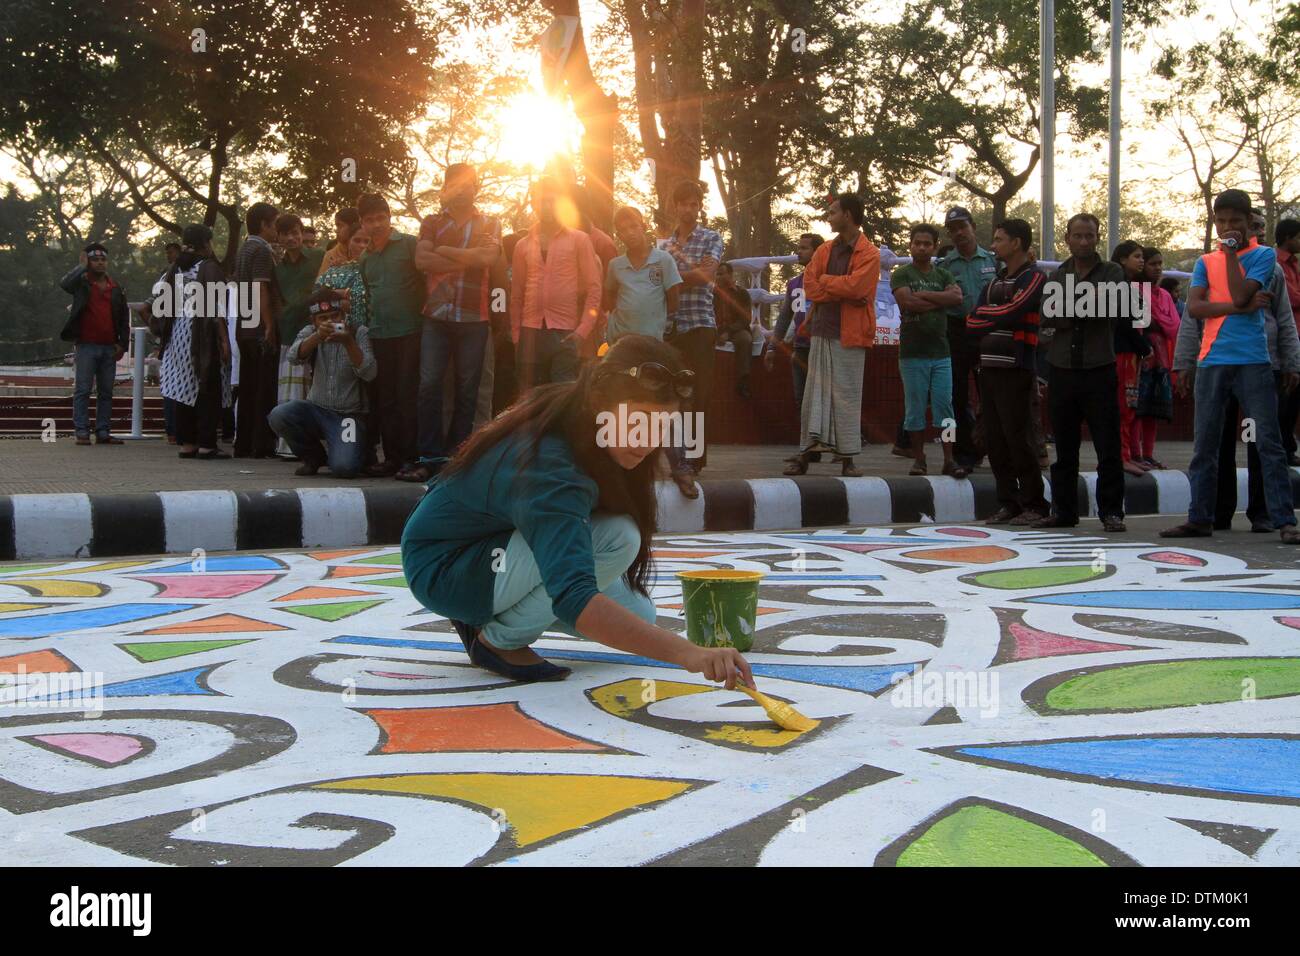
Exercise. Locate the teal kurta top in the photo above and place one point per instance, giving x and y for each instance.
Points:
(449, 542)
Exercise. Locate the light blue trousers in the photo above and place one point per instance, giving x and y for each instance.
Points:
(521, 608)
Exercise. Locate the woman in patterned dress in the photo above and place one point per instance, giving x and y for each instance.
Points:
(347, 275)
(195, 350)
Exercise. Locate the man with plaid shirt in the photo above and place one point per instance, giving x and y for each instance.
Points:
(691, 329)
(456, 250)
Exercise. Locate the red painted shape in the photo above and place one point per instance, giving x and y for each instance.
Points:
(1030, 642)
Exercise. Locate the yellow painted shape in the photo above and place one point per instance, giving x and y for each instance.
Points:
(722, 574)
(12, 608)
(47, 588)
(624, 698)
(753, 736)
(537, 806)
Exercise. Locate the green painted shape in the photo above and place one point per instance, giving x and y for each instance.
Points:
(1177, 684)
(147, 653)
(395, 558)
(1015, 579)
(332, 612)
(17, 568)
(397, 582)
(983, 836)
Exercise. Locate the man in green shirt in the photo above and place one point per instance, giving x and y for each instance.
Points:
(924, 292)
(295, 276)
(395, 293)
(973, 267)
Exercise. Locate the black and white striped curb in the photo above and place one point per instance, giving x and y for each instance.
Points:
(177, 522)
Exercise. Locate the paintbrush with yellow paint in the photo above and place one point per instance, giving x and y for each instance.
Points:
(782, 714)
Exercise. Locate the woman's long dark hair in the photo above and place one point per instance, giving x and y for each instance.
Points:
(569, 410)
(1124, 250)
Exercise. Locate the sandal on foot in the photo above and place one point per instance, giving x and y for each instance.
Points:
(798, 466)
(954, 470)
(1291, 535)
(919, 468)
(415, 473)
(850, 470)
(685, 481)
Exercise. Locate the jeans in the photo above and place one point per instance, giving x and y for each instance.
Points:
(521, 608)
(95, 365)
(544, 357)
(696, 347)
(304, 425)
(1089, 395)
(462, 343)
(1007, 398)
(1225, 501)
(1254, 388)
(926, 381)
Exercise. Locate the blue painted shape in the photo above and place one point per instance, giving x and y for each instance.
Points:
(184, 683)
(1173, 600)
(1265, 766)
(228, 562)
(43, 625)
(867, 680)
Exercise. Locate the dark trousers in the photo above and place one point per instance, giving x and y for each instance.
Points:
(544, 357)
(1089, 395)
(1006, 398)
(696, 347)
(1225, 499)
(397, 382)
(169, 417)
(1287, 413)
(259, 368)
(197, 424)
(799, 374)
(965, 363)
(463, 344)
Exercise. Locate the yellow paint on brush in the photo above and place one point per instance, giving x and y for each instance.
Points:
(537, 806)
(47, 588)
(626, 697)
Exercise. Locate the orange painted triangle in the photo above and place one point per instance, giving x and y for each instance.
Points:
(218, 624)
(316, 593)
(349, 571)
(332, 555)
(37, 662)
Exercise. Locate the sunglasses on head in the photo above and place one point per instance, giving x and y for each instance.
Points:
(659, 377)
(97, 255)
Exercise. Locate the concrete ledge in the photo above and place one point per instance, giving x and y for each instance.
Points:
(177, 522)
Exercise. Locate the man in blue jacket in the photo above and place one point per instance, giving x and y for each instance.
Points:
(99, 324)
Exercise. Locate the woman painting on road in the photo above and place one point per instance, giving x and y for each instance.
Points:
(542, 522)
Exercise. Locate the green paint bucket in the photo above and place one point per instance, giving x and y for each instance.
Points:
(721, 607)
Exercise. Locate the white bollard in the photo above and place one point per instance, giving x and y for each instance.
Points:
(137, 383)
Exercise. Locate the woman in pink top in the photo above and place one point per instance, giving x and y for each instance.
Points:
(1155, 392)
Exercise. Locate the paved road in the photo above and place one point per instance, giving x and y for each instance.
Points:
(985, 697)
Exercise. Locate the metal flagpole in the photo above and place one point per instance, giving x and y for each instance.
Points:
(1047, 122)
(1116, 44)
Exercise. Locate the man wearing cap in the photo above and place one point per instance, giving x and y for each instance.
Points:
(973, 267)
(99, 322)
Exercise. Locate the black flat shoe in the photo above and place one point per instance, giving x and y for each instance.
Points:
(215, 454)
(483, 656)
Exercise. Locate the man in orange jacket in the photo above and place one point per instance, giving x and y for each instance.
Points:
(840, 282)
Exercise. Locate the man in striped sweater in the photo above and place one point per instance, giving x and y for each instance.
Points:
(1004, 324)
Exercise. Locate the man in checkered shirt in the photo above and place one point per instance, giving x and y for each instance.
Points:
(691, 328)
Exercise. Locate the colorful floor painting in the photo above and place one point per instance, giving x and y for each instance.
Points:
(985, 698)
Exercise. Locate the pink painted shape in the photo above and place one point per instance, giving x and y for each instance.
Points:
(207, 585)
(964, 532)
(866, 548)
(1290, 621)
(1031, 642)
(107, 748)
(1174, 557)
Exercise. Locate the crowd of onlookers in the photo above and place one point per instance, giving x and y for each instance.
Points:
(381, 354)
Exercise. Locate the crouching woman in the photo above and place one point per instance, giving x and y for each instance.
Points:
(542, 522)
